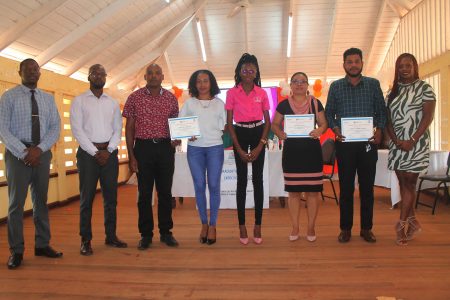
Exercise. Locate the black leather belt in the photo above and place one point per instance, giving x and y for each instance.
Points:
(160, 140)
(155, 140)
(101, 146)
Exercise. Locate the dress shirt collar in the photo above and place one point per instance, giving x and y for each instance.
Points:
(241, 89)
(27, 90)
(103, 95)
(361, 80)
(148, 92)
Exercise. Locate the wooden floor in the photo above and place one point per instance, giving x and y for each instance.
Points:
(277, 269)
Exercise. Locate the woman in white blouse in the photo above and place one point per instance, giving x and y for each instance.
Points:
(205, 154)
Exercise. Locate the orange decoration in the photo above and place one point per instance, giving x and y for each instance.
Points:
(317, 94)
(317, 87)
(279, 97)
(177, 92)
(318, 82)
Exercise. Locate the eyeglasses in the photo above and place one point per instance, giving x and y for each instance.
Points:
(299, 82)
(98, 75)
(248, 71)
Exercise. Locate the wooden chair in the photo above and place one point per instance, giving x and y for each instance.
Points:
(329, 158)
(442, 179)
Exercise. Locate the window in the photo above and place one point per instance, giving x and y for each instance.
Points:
(69, 142)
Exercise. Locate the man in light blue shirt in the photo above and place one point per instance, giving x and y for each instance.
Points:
(29, 127)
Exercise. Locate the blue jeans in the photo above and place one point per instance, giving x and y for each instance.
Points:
(206, 161)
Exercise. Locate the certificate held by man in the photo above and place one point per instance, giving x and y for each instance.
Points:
(357, 129)
(184, 127)
(298, 126)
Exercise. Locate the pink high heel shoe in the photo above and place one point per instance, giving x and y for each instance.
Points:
(257, 241)
(243, 232)
(244, 241)
(257, 234)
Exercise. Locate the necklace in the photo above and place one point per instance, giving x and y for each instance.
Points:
(202, 103)
(300, 109)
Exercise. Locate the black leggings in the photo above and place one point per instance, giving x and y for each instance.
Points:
(249, 137)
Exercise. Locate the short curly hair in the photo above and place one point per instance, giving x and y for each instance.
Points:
(214, 88)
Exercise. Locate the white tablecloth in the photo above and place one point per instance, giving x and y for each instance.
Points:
(388, 179)
(183, 185)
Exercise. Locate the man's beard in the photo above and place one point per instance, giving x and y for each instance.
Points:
(97, 86)
(354, 75)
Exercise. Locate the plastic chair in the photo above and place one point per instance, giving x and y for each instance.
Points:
(442, 179)
(329, 158)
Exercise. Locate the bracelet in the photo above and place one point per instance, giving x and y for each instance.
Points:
(413, 139)
(263, 141)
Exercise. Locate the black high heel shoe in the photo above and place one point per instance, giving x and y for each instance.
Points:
(203, 239)
(208, 240)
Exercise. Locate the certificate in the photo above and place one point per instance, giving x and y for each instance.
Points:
(357, 129)
(184, 127)
(298, 126)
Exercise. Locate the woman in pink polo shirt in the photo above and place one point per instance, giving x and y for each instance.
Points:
(247, 104)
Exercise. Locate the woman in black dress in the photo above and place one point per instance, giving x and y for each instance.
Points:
(302, 157)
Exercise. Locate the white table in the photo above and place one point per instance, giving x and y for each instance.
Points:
(183, 185)
(386, 178)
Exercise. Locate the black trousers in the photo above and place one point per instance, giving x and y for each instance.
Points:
(156, 163)
(356, 158)
(90, 172)
(249, 137)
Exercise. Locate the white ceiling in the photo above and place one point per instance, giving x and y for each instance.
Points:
(67, 36)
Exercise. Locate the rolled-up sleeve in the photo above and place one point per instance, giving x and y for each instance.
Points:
(129, 109)
(229, 103)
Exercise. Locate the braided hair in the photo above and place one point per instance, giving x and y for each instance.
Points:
(247, 58)
(394, 90)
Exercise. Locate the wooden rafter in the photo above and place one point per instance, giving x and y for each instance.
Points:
(12, 34)
(105, 14)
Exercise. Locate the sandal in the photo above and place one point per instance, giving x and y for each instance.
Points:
(413, 227)
(400, 230)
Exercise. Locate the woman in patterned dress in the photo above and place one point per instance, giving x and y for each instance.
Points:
(302, 157)
(411, 104)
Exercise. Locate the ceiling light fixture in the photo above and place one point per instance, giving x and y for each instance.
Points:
(200, 36)
(289, 41)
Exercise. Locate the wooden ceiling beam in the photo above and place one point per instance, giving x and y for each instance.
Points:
(12, 34)
(369, 53)
(62, 44)
(331, 39)
(155, 54)
(145, 17)
(292, 4)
